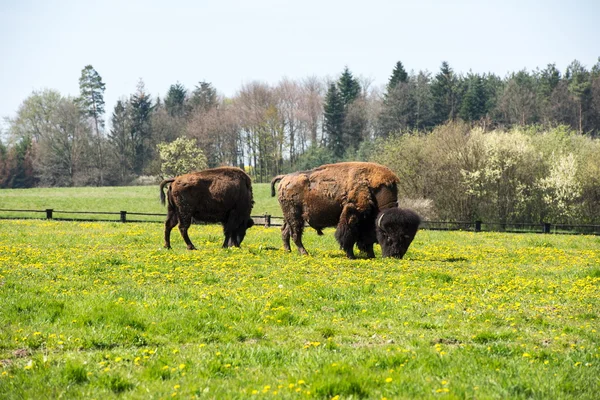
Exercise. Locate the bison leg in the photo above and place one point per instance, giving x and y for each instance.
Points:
(230, 228)
(366, 239)
(185, 220)
(366, 247)
(285, 235)
(170, 223)
(293, 226)
(226, 241)
(296, 230)
(346, 233)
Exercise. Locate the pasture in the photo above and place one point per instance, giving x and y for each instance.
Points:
(100, 310)
(144, 199)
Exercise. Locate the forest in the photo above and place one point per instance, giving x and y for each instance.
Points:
(523, 147)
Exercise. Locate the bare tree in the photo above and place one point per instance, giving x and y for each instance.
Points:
(312, 106)
(217, 131)
(262, 127)
(288, 96)
(63, 153)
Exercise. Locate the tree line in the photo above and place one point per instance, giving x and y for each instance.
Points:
(56, 140)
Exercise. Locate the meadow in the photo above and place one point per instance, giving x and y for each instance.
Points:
(100, 310)
(140, 199)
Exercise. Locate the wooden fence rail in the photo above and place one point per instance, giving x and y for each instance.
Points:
(267, 220)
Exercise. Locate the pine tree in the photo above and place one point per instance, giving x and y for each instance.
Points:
(348, 87)
(120, 141)
(423, 101)
(204, 96)
(353, 123)
(22, 164)
(398, 75)
(175, 100)
(141, 128)
(399, 109)
(473, 105)
(91, 101)
(334, 121)
(444, 90)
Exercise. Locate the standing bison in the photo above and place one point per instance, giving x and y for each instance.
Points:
(359, 198)
(214, 195)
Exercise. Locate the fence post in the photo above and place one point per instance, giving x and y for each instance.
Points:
(123, 216)
(267, 220)
(477, 226)
(49, 213)
(546, 227)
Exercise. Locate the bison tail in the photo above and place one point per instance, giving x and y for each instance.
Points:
(273, 182)
(162, 193)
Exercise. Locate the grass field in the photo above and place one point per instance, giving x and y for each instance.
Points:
(99, 310)
(141, 199)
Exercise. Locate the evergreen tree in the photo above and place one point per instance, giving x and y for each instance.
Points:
(473, 106)
(547, 81)
(349, 87)
(20, 162)
(121, 143)
(353, 122)
(398, 75)
(141, 128)
(91, 101)
(175, 100)
(518, 102)
(204, 96)
(493, 86)
(91, 98)
(444, 90)
(423, 101)
(334, 121)
(399, 109)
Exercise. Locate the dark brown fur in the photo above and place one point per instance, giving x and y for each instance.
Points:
(345, 195)
(219, 195)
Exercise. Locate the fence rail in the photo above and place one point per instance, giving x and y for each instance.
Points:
(267, 220)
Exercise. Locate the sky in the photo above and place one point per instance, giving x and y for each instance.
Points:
(44, 44)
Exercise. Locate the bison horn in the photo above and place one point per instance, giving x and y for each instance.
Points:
(379, 221)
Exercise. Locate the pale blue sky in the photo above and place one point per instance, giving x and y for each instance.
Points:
(46, 43)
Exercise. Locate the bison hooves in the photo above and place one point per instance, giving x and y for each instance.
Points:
(191, 248)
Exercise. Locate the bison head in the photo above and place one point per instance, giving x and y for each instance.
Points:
(396, 228)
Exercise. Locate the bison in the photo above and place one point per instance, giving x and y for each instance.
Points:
(213, 195)
(359, 198)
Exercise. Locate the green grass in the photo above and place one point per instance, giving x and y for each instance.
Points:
(100, 310)
(139, 199)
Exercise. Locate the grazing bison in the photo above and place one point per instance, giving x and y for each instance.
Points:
(214, 195)
(359, 198)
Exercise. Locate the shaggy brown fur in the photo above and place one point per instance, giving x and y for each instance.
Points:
(214, 195)
(346, 195)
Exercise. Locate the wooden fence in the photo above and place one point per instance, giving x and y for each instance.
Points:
(267, 220)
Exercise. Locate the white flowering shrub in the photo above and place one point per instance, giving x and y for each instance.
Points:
(180, 157)
(561, 189)
(504, 184)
